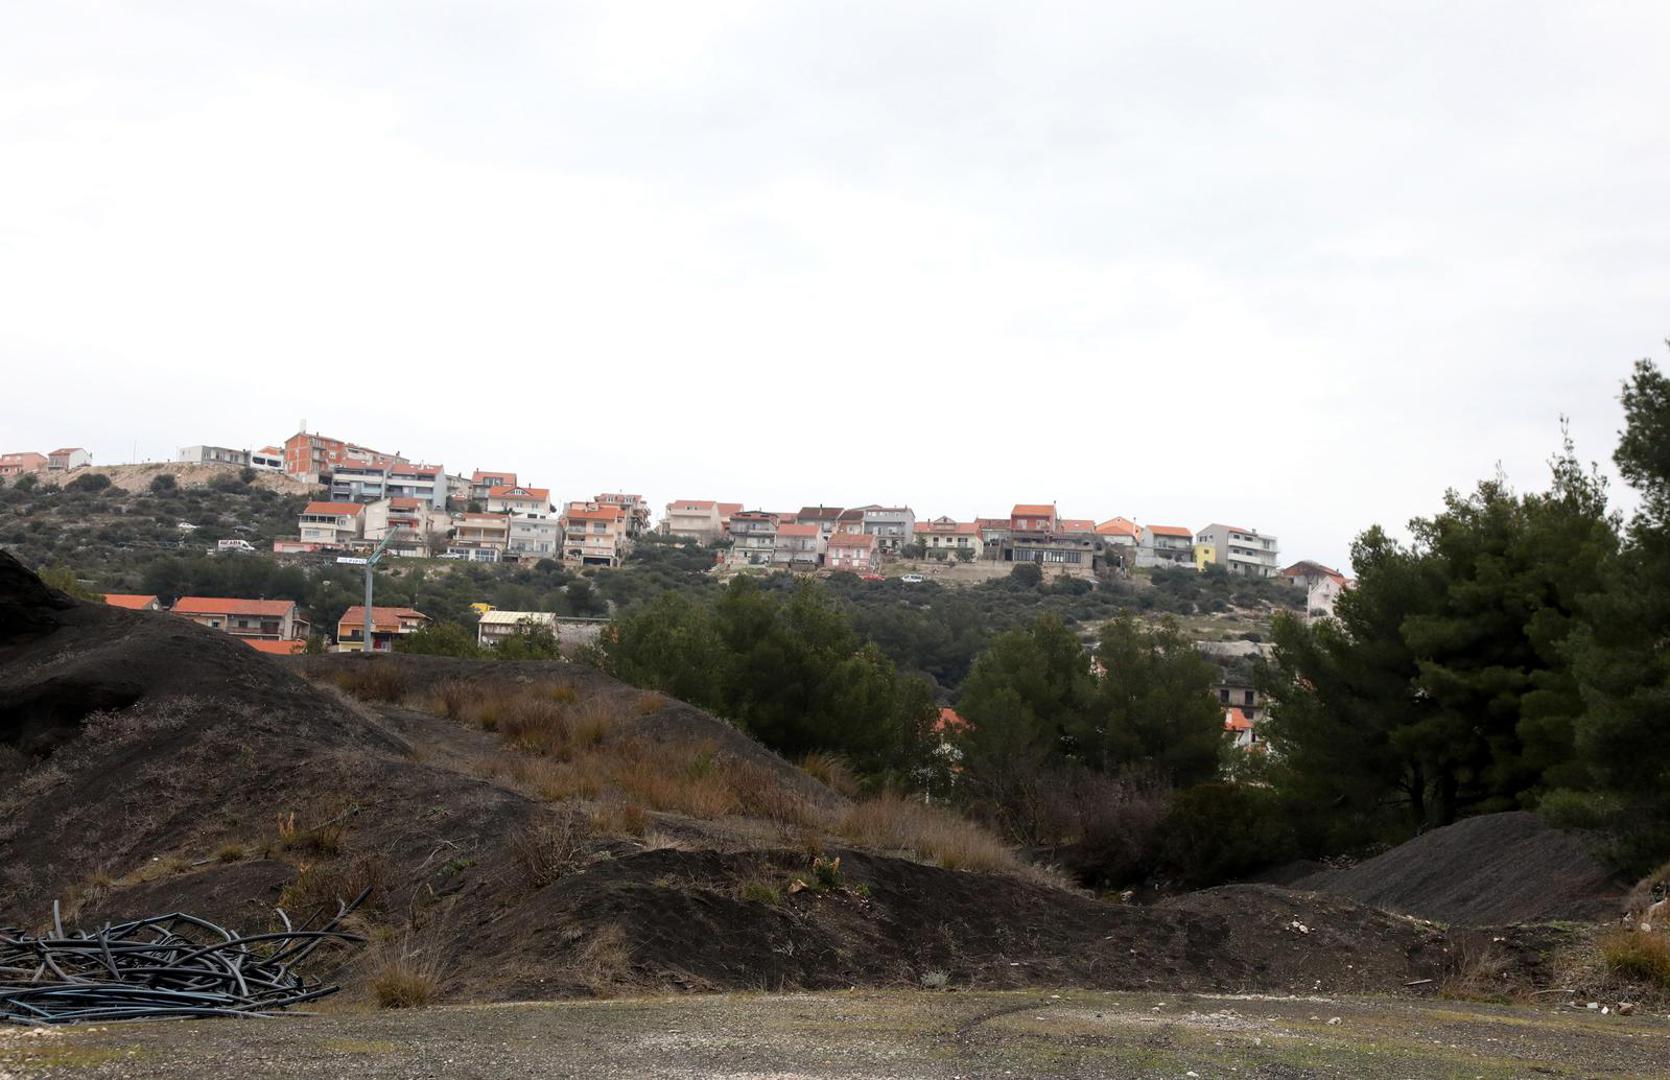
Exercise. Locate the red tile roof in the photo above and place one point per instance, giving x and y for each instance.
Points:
(66, 450)
(229, 605)
(949, 720)
(277, 648)
(1118, 526)
(513, 492)
(853, 540)
(694, 504)
(131, 601)
(792, 529)
(415, 470)
(1236, 720)
(1170, 530)
(1076, 525)
(1032, 510)
(382, 618)
(726, 509)
(602, 513)
(404, 504)
(482, 474)
(334, 508)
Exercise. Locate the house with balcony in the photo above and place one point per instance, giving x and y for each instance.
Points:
(66, 458)
(520, 501)
(331, 524)
(388, 625)
(479, 537)
(594, 535)
(1037, 533)
(531, 539)
(894, 527)
(693, 519)
(212, 455)
(634, 506)
(799, 547)
(415, 523)
(1240, 550)
(483, 481)
(270, 458)
(1165, 546)
(311, 455)
(426, 483)
(358, 482)
(945, 538)
(497, 625)
(994, 536)
(753, 536)
(262, 620)
(857, 552)
(851, 520)
(21, 461)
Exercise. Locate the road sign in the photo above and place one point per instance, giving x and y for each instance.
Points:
(352, 560)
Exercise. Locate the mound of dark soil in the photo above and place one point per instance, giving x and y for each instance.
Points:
(1490, 870)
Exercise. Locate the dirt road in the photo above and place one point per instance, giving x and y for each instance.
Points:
(874, 1034)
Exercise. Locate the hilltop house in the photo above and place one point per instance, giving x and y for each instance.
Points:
(331, 524)
(857, 552)
(388, 624)
(944, 538)
(824, 517)
(1240, 551)
(753, 538)
(1165, 545)
(851, 520)
(417, 521)
(635, 508)
(594, 535)
(66, 458)
(693, 519)
(311, 455)
(1038, 534)
(479, 537)
(799, 546)
(893, 526)
(521, 501)
(1322, 584)
(265, 620)
(483, 481)
(20, 462)
(496, 625)
(534, 538)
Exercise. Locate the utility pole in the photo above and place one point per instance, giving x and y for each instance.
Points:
(370, 563)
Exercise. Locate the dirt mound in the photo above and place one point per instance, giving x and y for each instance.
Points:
(1490, 870)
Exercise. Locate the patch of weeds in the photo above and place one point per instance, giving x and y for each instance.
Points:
(935, 980)
(826, 874)
(550, 847)
(230, 853)
(408, 972)
(1638, 955)
(760, 891)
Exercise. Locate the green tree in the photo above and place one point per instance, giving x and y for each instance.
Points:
(163, 484)
(1026, 575)
(1153, 706)
(439, 639)
(1622, 666)
(88, 482)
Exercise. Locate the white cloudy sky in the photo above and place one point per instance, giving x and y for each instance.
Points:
(1294, 266)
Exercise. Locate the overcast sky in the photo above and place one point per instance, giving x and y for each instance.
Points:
(1298, 267)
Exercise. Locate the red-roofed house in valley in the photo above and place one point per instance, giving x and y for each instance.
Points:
(20, 462)
(1243, 734)
(133, 601)
(1165, 545)
(1322, 584)
(521, 501)
(277, 648)
(799, 546)
(270, 620)
(944, 538)
(857, 552)
(594, 535)
(483, 481)
(693, 519)
(66, 458)
(331, 524)
(388, 624)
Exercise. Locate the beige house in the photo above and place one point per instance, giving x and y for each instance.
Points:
(857, 552)
(479, 537)
(1241, 551)
(388, 624)
(799, 546)
(694, 519)
(943, 538)
(332, 524)
(594, 535)
(418, 523)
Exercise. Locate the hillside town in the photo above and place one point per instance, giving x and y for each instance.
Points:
(369, 500)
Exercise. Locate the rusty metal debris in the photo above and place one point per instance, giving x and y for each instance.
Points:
(173, 965)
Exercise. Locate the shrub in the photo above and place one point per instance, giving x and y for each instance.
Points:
(163, 483)
(833, 771)
(88, 482)
(760, 891)
(440, 639)
(550, 847)
(321, 886)
(407, 974)
(1637, 955)
(1026, 575)
(1217, 832)
(373, 679)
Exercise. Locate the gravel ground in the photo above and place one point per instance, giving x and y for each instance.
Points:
(874, 1034)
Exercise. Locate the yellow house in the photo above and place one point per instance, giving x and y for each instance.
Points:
(1205, 555)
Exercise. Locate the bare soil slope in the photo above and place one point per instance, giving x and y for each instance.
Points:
(1490, 870)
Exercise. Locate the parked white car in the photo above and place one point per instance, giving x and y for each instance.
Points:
(912, 579)
(232, 547)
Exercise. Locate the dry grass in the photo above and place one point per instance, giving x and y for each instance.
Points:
(891, 823)
(372, 680)
(604, 963)
(550, 847)
(408, 972)
(833, 772)
(321, 886)
(1476, 970)
(1635, 955)
(323, 839)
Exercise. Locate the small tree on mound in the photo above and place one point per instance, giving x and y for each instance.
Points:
(439, 639)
